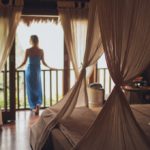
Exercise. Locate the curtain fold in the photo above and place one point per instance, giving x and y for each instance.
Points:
(9, 18)
(125, 31)
(74, 22)
(77, 96)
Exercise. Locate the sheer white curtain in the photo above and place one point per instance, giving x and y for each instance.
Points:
(125, 31)
(78, 94)
(9, 19)
(74, 22)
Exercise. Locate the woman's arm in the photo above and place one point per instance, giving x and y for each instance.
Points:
(25, 60)
(43, 60)
(44, 63)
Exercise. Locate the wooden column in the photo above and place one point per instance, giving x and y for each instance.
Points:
(12, 82)
(66, 73)
(9, 112)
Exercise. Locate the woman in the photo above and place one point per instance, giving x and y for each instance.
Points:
(33, 73)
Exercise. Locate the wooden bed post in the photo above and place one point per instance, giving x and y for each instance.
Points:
(93, 77)
(66, 73)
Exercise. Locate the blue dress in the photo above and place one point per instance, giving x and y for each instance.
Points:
(33, 81)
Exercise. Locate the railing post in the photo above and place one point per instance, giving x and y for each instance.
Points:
(5, 87)
(57, 86)
(104, 83)
(25, 104)
(51, 97)
(44, 96)
(18, 89)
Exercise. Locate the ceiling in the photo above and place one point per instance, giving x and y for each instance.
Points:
(44, 7)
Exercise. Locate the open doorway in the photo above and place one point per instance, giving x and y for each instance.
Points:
(51, 40)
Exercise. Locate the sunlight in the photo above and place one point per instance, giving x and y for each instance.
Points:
(51, 40)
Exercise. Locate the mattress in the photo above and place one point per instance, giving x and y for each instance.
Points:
(71, 130)
(142, 115)
(75, 126)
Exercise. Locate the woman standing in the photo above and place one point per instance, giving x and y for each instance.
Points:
(33, 73)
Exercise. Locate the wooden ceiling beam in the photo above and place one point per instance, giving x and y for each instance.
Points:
(46, 7)
(40, 8)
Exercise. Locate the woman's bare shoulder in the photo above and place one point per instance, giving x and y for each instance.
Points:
(29, 48)
(27, 51)
(41, 50)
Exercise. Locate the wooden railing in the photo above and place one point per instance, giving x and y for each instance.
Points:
(4, 90)
(52, 87)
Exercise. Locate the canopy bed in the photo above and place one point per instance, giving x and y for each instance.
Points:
(121, 30)
(68, 133)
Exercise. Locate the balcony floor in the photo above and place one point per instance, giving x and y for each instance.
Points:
(15, 136)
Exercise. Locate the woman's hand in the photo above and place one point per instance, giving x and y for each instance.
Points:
(18, 67)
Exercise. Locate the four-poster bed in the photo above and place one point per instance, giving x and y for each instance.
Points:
(118, 28)
(66, 135)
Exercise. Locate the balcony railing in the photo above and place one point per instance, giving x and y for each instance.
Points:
(52, 87)
(104, 78)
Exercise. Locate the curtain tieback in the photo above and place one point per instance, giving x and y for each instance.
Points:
(83, 72)
(118, 87)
